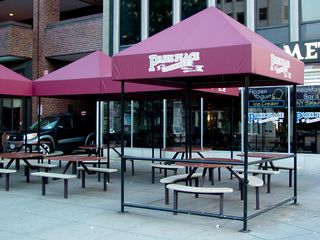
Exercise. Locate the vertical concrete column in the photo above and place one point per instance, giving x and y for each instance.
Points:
(176, 11)
(106, 28)
(250, 14)
(144, 19)
(44, 13)
(294, 20)
(116, 26)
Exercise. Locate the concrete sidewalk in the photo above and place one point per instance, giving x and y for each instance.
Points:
(91, 214)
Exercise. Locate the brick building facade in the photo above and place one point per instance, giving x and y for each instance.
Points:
(45, 35)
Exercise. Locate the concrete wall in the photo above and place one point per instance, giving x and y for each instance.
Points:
(307, 163)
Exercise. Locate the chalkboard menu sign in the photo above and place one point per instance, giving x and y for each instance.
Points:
(273, 97)
(308, 96)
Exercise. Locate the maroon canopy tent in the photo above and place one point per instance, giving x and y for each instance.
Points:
(210, 49)
(91, 75)
(14, 84)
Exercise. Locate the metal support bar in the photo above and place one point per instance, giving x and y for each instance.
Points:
(231, 127)
(278, 204)
(39, 118)
(43, 186)
(245, 148)
(65, 188)
(7, 181)
(122, 146)
(83, 179)
(294, 143)
(184, 211)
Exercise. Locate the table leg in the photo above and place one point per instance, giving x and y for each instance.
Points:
(203, 177)
(67, 167)
(9, 163)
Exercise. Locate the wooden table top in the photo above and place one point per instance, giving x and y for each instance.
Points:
(215, 162)
(183, 149)
(202, 165)
(103, 146)
(20, 155)
(74, 158)
(264, 155)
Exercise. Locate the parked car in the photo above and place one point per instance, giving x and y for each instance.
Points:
(65, 132)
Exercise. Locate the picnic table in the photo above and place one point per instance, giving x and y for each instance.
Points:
(75, 160)
(182, 150)
(17, 156)
(214, 163)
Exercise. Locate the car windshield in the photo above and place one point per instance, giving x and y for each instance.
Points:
(46, 123)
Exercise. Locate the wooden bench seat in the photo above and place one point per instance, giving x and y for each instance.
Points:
(263, 172)
(46, 175)
(164, 167)
(197, 190)
(252, 182)
(38, 166)
(2, 162)
(290, 169)
(175, 179)
(104, 171)
(7, 173)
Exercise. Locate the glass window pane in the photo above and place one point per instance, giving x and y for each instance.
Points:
(115, 122)
(310, 10)
(7, 114)
(17, 114)
(191, 7)
(271, 13)
(147, 124)
(175, 123)
(308, 103)
(130, 27)
(217, 125)
(310, 31)
(268, 119)
(275, 34)
(234, 9)
(160, 16)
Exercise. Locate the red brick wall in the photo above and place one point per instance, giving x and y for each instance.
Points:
(15, 39)
(44, 13)
(79, 35)
(57, 105)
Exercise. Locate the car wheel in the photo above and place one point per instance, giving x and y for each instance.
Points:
(46, 148)
(90, 141)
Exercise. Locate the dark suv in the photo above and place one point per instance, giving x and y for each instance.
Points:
(65, 132)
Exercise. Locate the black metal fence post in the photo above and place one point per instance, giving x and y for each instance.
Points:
(294, 143)
(122, 146)
(245, 139)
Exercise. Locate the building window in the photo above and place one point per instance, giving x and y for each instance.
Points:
(309, 10)
(130, 27)
(268, 119)
(12, 114)
(308, 135)
(190, 8)
(271, 13)
(160, 16)
(240, 17)
(147, 130)
(234, 9)
(217, 123)
(263, 13)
